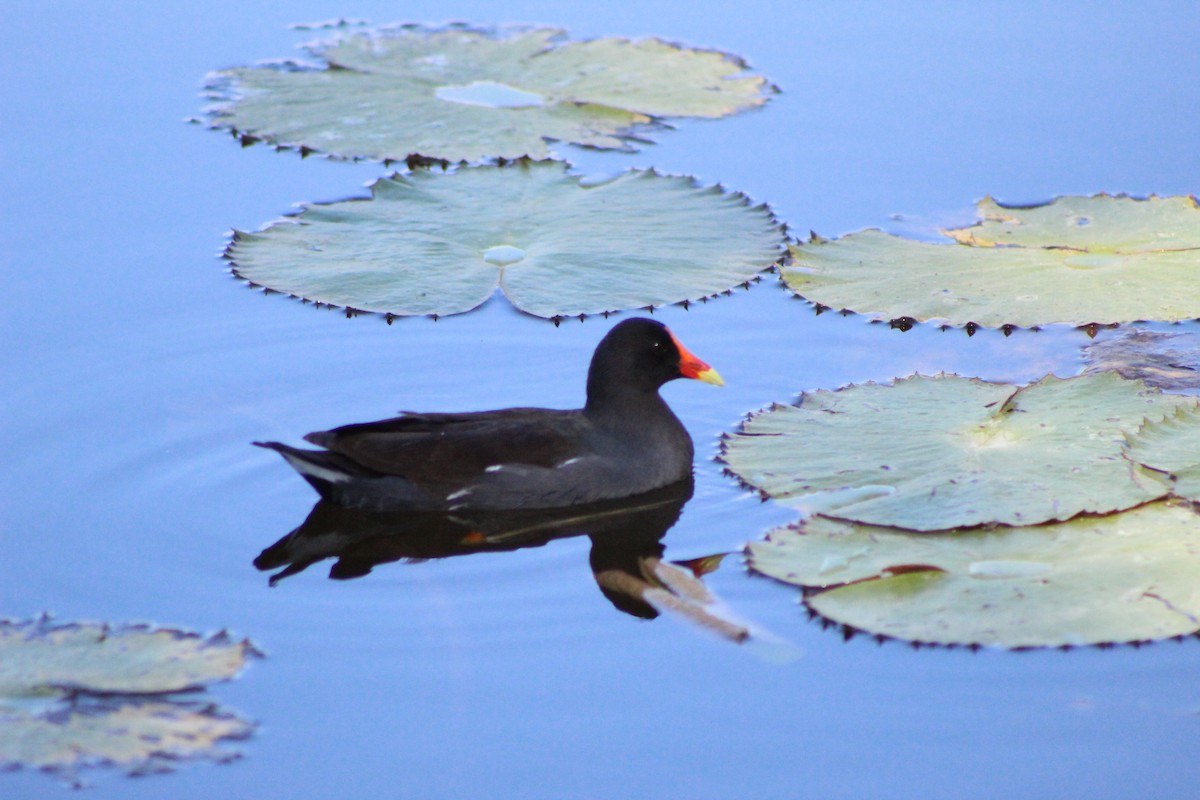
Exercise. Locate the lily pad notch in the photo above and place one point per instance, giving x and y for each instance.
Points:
(462, 93)
(556, 245)
(1089, 262)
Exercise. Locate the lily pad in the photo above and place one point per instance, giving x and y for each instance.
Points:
(460, 93)
(933, 453)
(1128, 577)
(1076, 260)
(1168, 361)
(441, 243)
(1172, 446)
(37, 658)
(80, 694)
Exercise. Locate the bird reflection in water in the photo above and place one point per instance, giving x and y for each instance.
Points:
(626, 556)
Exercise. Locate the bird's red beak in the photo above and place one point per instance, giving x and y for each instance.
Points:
(692, 367)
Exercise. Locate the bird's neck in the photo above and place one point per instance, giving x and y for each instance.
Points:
(626, 409)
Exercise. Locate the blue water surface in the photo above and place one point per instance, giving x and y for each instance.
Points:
(136, 372)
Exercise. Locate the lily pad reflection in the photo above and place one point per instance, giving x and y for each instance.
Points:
(1168, 361)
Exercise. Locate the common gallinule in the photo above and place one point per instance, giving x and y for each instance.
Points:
(624, 441)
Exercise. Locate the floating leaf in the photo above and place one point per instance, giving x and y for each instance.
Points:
(79, 694)
(1172, 446)
(441, 243)
(932, 453)
(1168, 361)
(1077, 260)
(464, 94)
(37, 657)
(1128, 577)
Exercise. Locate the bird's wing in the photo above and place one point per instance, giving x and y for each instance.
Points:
(448, 450)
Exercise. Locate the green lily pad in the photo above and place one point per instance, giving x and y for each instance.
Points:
(1168, 361)
(80, 694)
(933, 453)
(441, 243)
(1077, 261)
(1128, 577)
(1172, 446)
(464, 94)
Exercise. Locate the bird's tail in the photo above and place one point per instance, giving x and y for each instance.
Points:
(325, 471)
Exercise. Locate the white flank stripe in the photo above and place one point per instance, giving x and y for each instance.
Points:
(320, 473)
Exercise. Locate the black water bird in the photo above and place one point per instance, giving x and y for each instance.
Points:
(624, 441)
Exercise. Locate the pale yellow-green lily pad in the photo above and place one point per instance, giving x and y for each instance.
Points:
(1127, 577)
(38, 657)
(442, 243)
(74, 695)
(934, 453)
(460, 93)
(1076, 260)
(1172, 446)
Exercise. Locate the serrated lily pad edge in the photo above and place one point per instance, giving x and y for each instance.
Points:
(290, 218)
(907, 323)
(219, 89)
